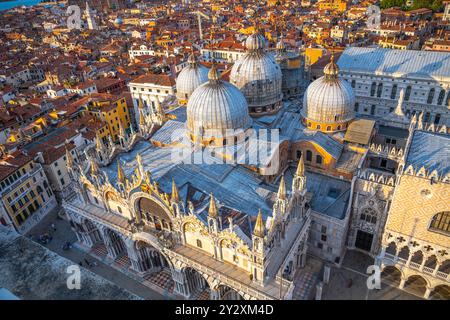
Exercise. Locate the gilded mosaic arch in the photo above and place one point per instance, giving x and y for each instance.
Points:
(152, 203)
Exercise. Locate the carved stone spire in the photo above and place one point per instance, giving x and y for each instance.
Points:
(259, 228)
(299, 181)
(300, 167)
(282, 189)
(69, 159)
(120, 173)
(212, 211)
(98, 143)
(94, 167)
(175, 195)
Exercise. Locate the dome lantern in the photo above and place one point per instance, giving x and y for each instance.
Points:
(217, 112)
(328, 103)
(259, 77)
(190, 78)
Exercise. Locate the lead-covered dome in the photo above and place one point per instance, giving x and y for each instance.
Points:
(190, 78)
(215, 110)
(329, 101)
(256, 41)
(258, 76)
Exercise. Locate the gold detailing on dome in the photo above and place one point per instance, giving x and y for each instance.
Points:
(331, 70)
(213, 74)
(192, 59)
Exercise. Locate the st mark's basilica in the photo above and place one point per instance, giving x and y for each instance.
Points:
(331, 181)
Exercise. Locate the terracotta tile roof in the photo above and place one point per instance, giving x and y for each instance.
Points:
(162, 79)
(10, 163)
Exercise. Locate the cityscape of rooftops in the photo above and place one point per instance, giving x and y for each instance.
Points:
(217, 150)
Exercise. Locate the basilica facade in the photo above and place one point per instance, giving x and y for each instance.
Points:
(227, 227)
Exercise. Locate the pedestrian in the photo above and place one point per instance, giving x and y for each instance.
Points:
(53, 226)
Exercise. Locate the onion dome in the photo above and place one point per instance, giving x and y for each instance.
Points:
(190, 78)
(258, 76)
(216, 107)
(329, 101)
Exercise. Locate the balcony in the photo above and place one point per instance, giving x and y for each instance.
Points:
(390, 259)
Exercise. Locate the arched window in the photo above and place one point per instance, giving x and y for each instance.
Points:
(319, 159)
(353, 83)
(380, 90)
(308, 155)
(430, 96)
(441, 222)
(441, 97)
(394, 91)
(199, 243)
(437, 118)
(329, 128)
(407, 93)
(372, 89)
(368, 215)
(318, 127)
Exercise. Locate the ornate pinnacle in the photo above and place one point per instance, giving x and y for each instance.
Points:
(94, 167)
(69, 159)
(212, 212)
(98, 142)
(175, 196)
(282, 189)
(300, 167)
(120, 173)
(259, 226)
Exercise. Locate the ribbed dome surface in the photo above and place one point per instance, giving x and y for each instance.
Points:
(259, 77)
(329, 101)
(190, 78)
(217, 105)
(255, 41)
